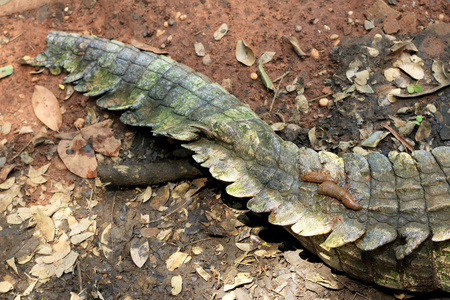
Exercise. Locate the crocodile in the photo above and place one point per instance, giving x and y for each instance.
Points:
(397, 235)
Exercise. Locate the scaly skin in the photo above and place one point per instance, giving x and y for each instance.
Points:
(400, 237)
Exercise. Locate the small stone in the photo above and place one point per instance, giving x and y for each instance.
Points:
(199, 49)
(298, 28)
(79, 123)
(391, 26)
(323, 102)
(350, 12)
(334, 36)
(326, 28)
(171, 22)
(183, 17)
(368, 25)
(347, 29)
(314, 21)
(254, 76)
(166, 24)
(207, 60)
(350, 21)
(372, 52)
(441, 17)
(408, 23)
(160, 32)
(314, 53)
(226, 84)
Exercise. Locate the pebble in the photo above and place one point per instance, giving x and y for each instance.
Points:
(227, 84)
(254, 76)
(160, 32)
(323, 102)
(298, 28)
(326, 28)
(207, 60)
(199, 49)
(171, 22)
(368, 25)
(334, 36)
(183, 17)
(314, 21)
(314, 53)
(166, 24)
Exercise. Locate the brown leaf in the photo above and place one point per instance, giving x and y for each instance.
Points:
(146, 47)
(5, 171)
(78, 156)
(102, 138)
(46, 107)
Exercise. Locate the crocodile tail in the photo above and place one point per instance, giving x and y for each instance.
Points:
(403, 197)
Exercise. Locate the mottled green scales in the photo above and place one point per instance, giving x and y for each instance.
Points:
(400, 239)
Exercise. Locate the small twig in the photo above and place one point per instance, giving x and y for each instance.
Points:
(398, 137)
(277, 89)
(17, 36)
(20, 152)
(173, 211)
(317, 98)
(80, 280)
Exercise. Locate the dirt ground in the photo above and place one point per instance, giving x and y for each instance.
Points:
(204, 238)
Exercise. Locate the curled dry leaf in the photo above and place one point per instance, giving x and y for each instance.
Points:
(78, 156)
(244, 54)
(423, 132)
(439, 73)
(373, 140)
(46, 107)
(5, 171)
(295, 45)
(145, 47)
(102, 137)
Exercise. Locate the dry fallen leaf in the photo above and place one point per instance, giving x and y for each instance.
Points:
(240, 279)
(5, 286)
(143, 46)
(244, 54)
(46, 107)
(106, 242)
(177, 285)
(78, 156)
(176, 260)
(295, 45)
(139, 251)
(102, 137)
(45, 225)
(5, 171)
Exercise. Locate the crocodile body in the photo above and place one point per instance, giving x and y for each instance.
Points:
(400, 237)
